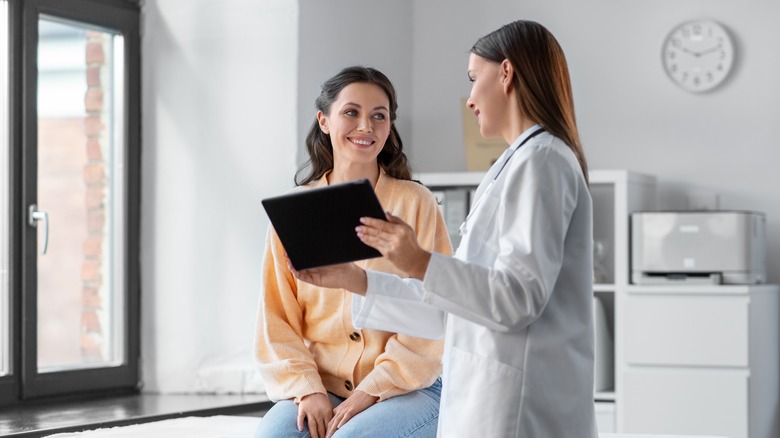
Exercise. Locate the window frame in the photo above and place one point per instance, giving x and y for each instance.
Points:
(25, 382)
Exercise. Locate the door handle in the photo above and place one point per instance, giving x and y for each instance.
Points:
(34, 216)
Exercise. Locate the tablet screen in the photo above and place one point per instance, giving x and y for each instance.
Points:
(317, 226)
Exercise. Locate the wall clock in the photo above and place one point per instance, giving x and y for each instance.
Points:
(698, 55)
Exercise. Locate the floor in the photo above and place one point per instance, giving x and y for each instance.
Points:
(44, 418)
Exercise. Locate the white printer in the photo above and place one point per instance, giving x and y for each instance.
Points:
(698, 247)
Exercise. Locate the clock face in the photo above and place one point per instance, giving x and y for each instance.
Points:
(698, 55)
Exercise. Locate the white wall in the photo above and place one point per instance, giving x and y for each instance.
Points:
(228, 95)
(219, 134)
(440, 58)
(631, 116)
(340, 33)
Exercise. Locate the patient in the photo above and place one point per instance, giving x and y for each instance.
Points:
(328, 378)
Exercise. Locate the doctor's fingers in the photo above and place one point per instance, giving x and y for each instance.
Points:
(381, 241)
(384, 231)
(381, 224)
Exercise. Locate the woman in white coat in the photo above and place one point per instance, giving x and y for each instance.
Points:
(515, 302)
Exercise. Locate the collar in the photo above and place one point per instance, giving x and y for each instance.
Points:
(520, 139)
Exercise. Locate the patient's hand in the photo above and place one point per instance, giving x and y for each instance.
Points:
(317, 410)
(347, 276)
(356, 403)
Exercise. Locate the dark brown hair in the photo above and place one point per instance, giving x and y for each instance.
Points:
(541, 78)
(391, 159)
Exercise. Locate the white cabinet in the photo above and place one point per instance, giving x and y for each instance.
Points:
(686, 401)
(700, 360)
(616, 194)
(681, 329)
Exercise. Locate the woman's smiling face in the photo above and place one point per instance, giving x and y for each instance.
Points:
(358, 123)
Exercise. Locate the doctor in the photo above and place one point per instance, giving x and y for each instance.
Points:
(514, 303)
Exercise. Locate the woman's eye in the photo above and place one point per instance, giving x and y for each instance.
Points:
(350, 112)
(379, 116)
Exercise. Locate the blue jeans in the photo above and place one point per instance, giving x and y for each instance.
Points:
(412, 415)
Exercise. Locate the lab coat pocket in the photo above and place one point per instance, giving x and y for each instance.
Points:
(482, 221)
(482, 397)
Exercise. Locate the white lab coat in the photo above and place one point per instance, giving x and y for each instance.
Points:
(514, 303)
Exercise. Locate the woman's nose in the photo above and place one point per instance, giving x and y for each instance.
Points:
(469, 104)
(365, 124)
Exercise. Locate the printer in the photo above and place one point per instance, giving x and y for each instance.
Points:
(698, 247)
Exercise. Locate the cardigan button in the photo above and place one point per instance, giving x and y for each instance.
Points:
(355, 336)
(348, 385)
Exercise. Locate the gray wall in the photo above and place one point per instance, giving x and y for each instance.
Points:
(339, 33)
(722, 144)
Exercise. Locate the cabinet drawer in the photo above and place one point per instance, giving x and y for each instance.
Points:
(678, 329)
(605, 417)
(686, 402)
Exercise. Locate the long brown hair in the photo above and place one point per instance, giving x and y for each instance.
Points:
(391, 159)
(541, 78)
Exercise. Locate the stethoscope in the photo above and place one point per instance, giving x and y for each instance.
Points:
(463, 228)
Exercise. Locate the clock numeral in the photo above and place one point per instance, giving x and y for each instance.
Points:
(685, 76)
(722, 54)
(674, 68)
(720, 67)
(697, 30)
(672, 54)
(710, 78)
(696, 81)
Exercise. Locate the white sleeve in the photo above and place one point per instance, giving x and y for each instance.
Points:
(395, 305)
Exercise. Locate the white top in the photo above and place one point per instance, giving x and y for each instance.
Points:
(515, 302)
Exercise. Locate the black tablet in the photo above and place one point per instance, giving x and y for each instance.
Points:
(317, 226)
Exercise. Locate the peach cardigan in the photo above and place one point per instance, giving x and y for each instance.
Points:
(305, 341)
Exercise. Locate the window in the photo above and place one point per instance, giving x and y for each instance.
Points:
(70, 297)
(79, 196)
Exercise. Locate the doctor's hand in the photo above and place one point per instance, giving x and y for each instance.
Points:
(317, 410)
(396, 240)
(347, 276)
(356, 403)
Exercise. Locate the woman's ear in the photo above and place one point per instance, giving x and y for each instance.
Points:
(507, 75)
(322, 119)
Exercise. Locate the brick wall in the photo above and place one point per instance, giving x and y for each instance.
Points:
(95, 178)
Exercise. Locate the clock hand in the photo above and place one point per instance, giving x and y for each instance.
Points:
(716, 48)
(690, 52)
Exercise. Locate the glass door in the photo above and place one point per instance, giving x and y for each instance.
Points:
(79, 303)
(80, 200)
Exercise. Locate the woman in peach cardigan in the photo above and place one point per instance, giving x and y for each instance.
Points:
(327, 377)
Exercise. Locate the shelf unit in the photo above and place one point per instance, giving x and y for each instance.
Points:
(616, 194)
